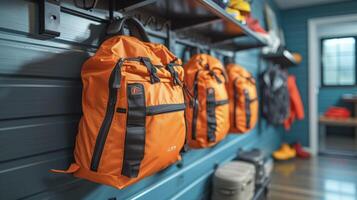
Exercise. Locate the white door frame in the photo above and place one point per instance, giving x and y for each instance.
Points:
(314, 72)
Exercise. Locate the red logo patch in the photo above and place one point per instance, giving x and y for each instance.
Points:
(135, 90)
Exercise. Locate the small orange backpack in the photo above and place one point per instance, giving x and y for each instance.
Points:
(243, 99)
(208, 113)
(133, 122)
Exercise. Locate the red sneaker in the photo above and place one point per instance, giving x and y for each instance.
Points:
(300, 152)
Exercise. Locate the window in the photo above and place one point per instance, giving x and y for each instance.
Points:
(338, 61)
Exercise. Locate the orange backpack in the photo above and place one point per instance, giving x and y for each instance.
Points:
(243, 99)
(133, 104)
(208, 113)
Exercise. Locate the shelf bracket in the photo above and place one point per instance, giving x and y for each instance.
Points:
(49, 13)
(189, 24)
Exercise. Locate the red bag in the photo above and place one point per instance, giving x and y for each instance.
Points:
(338, 112)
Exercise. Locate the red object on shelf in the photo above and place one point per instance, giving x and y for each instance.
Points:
(254, 25)
(338, 112)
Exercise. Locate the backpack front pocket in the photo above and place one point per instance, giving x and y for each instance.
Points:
(210, 111)
(244, 107)
(154, 133)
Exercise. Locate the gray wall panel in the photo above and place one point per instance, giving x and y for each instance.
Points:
(21, 178)
(40, 98)
(26, 137)
(29, 97)
(19, 58)
(22, 17)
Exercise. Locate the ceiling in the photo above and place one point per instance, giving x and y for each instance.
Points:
(289, 4)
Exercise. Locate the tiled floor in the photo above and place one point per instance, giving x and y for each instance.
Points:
(320, 178)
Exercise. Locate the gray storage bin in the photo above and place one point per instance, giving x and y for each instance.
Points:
(234, 181)
(256, 157)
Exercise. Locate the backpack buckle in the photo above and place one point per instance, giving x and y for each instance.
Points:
(152, 70)
(174, 74)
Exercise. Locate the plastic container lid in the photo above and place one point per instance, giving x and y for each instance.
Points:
(234, 174)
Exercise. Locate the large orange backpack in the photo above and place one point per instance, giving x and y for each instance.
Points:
(208, 113)
(133, 104)
(243, 99)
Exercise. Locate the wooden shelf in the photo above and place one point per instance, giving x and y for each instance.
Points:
(240, 43)
(202, 17)
(283, 58)
(351, 122)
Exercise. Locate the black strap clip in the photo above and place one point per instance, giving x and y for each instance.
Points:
(174, 74)
(152, 70)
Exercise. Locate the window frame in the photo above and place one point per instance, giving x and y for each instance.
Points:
(322, 65)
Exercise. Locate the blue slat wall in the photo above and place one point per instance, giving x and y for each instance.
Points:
(40, 101)
(296, 33)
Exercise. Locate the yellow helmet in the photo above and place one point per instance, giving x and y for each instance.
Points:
(236, 14)
(241, 5)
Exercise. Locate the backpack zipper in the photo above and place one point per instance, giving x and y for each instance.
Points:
(114, 85)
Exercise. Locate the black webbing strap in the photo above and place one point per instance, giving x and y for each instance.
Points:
(135, 130)
(152, 70)
(236, 99)
(247, 108)
(211, 115)
(174, 74)
(194, 103)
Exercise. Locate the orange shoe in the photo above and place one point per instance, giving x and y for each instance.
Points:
(285, 152)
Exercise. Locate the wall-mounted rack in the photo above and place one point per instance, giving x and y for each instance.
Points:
(202, 17)
(283, 58)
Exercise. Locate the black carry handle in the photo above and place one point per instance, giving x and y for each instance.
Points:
(135, 27)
